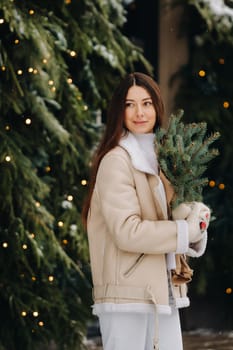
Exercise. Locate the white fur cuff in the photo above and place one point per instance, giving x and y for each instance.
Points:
(198, 249)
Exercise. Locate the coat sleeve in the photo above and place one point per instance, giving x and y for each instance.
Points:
(120, 208)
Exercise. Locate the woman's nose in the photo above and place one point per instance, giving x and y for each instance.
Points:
(139, 111)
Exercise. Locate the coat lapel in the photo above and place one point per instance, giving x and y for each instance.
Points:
(162, 197)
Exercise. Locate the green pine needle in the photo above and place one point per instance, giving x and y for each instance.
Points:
(184, 153)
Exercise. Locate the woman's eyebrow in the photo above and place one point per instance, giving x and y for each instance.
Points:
(144, 99)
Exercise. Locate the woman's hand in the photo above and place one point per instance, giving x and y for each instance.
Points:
(197, 216)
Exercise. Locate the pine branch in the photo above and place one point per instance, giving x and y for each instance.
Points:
(184, 153)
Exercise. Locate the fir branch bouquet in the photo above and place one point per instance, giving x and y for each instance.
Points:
(183, 154)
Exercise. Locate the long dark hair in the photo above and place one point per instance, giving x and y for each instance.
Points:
(115, 123)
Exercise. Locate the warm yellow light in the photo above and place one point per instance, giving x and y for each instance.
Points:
(51, 278)
(35, 71)
(221, 186)
(226, 104)
(16, 41)
(70, 197)
(201, 73)
(24, 313)
(211, 183)
(24, 246)
(33, 278)
(73, 53)
(50, 82)
(221, 60)
(32, 235)
(1, 20)
(7, 127)
(35, 313)
(228, 290)
(41, 323)
(19, 72)
(3, 68)
(84, 182)
(60, 224)
(7, 158)
(5, 245)
(28, 121)
(65, 241)
(31, 12)
(47, 169)
(30, 70)
(69, 81)
(37, 204)
(85, 108)
(44, 60)
(53, 89)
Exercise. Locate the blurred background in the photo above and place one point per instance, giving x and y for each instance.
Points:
(59, 63)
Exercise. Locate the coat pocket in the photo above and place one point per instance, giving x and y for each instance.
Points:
(133, 267)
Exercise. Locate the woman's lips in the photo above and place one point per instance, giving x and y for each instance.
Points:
(140, 123)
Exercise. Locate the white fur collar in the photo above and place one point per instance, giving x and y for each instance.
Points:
(133, 145)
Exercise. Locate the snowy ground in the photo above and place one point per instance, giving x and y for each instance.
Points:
(198, 340)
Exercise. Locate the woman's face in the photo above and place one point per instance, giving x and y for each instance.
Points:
(140, 114)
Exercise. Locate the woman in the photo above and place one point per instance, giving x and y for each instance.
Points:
(133, 237)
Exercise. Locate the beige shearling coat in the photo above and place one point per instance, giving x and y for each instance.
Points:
(129, 235)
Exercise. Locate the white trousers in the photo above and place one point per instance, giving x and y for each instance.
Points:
(135, 331)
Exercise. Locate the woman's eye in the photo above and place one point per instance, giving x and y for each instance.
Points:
(148, 103)
(129, 104)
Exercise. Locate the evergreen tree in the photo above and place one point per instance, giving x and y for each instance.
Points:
(58, 64)
(206, 95)
(184, 154)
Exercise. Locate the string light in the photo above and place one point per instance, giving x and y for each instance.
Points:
(1, 20)
(30, 70)
(35, 71)
(85, 108)
(84, 182)
(69, 81)
(8, 159)
(33, 278)
(73, 53)
(35, 313)
(16, 41)
(7, 127)
(31, 12)
(228, 290)
(24, 246)
(51, 278)
(60, 224)
(65, 241)
(28, 121)
(3, 68)
(44, 60)
(37, 204)
(221, 186)
(211, 183)
(5, 245)
(32, 235)
(221, 61)
(41, 323)
(70, 198)
(50, 82)
(202, 73)
(47, 169)
(24, 313)
(226, 104)
(19, 72)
